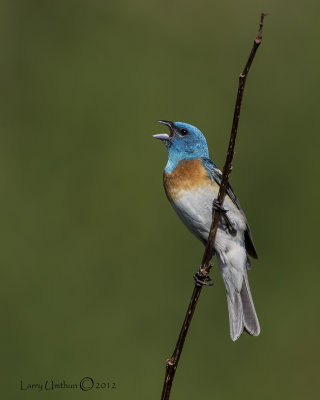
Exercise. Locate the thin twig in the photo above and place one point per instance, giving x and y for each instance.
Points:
(172, 362)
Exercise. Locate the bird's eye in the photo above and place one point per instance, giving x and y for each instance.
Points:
(183, 132)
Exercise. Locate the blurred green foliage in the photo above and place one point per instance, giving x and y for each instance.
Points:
(96, 269)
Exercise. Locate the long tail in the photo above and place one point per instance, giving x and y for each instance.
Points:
(242, 314)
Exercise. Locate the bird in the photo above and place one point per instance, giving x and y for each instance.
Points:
(191, 182)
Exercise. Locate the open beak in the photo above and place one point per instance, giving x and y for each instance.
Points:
(164, 136)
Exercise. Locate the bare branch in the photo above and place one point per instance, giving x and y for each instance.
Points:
(172, 362)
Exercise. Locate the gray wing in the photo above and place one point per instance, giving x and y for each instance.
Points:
(215, 173)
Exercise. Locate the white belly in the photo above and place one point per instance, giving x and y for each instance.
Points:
(195, 211)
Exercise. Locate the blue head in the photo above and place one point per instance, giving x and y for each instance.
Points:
(185, 142)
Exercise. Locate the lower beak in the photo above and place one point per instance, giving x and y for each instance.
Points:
(162, 136)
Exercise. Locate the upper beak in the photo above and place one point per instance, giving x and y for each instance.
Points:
(164, 136)
(168, 123)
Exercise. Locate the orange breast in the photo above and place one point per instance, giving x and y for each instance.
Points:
(188, 176)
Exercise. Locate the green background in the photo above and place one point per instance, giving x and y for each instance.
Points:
(96, 268)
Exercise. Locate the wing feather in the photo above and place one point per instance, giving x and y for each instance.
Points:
(216, 175)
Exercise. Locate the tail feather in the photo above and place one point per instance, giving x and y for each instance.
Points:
(242, 314)
(235, 315)
(250, 319)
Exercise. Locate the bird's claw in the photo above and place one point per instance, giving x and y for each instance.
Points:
(217, 206)
(201, 280)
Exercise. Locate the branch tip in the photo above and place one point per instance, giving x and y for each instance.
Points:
(258, 38)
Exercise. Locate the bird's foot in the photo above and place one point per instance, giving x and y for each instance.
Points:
(202, 279)
(217, 206)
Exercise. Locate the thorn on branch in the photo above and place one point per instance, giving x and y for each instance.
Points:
(211, 265)
(170, 362)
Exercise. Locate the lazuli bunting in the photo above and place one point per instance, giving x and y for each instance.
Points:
(191, 181)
